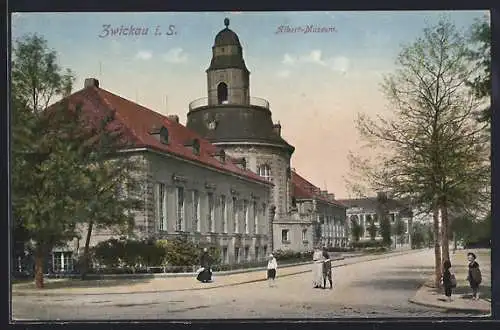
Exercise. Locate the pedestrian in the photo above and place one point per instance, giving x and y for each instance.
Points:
(474, 276)
(317, 268)
(272, 266)
(327, 269)
(448, 279)
(205, 274)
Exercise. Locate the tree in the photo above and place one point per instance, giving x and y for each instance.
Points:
(61, 158)
(418, 236)
(372, 229)
(430, 149)
(383, 215)
(480, 56)
(399, 229)
(355, 230)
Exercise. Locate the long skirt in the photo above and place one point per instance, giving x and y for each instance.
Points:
(317, 272)
(205, 275)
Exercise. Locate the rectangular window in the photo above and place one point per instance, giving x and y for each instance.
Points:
(237, 254)
(245, 212)
(247, 253)
(180, 209)
(257, 253)
(161, 206)
(235, 215)
(210, 216)
(196, 210)
(62, 262)
(255, 218)
(224, 255)
(304, 235)
(264, 217)
(393, 217)
(224, 213)
(265, 251)
(284, 235)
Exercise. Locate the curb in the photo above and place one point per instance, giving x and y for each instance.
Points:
(451, 309)
(384, 256)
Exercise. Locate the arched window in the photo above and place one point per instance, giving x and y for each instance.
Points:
(264, 171)
(222, 93)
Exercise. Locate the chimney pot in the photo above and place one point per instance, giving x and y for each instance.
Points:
(91, 82)
(173, 118)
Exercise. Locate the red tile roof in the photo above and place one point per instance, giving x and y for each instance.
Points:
(137, 122)
(303, 189)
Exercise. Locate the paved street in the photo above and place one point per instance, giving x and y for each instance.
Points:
(378, 288)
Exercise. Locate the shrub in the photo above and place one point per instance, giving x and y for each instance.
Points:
(367, 244)
(182, 252)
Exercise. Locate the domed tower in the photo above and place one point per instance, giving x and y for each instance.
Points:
(242, 125)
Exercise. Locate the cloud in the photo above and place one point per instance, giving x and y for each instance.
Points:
(284, 73)
(339, 63)
(144, 55)
(288, 59)
(176, 55)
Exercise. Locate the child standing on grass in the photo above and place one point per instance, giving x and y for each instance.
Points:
(449, 280)
(272, 266)
(474, 276)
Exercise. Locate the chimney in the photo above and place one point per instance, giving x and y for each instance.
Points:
(324, 193)
(91, 82)
(331, 196)
(382, 195)
(173, 118)
(277, 128)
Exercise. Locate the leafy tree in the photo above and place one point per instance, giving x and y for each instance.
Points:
(480, 56)
(383, 215)
(60, 158)
(399, 229)
(431, 148)
(355, 230)
(418, 236)
(372, 229)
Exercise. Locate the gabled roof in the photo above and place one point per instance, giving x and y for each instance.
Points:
(303, 189)
(137, 122)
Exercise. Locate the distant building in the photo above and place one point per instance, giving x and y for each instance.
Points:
(365, 210)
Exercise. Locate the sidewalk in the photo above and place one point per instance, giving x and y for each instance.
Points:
(461, 299)
(99, 287)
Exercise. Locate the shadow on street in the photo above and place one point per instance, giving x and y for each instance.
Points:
(394, 283)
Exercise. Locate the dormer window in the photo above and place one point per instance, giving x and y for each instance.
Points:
(220, 155)
(241, 162)
(160, 133)
(164, 135)
(195, 146)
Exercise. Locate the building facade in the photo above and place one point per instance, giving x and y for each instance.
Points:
(365, 211)
(230, 118)
(189, 186)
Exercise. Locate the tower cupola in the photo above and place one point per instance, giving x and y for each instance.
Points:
(228, 77)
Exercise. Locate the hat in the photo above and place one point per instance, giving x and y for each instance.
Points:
(271, 256)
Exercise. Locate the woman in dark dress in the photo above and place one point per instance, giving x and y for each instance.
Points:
(205, 275)
(447, 281)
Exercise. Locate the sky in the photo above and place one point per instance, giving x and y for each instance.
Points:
(316, 83)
